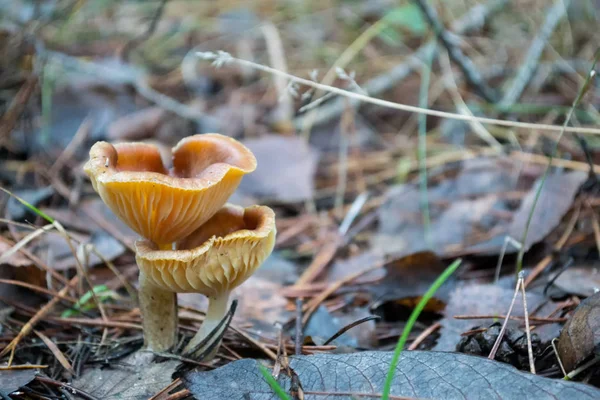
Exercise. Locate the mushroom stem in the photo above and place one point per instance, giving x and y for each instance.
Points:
(159, 315)
(217, 309)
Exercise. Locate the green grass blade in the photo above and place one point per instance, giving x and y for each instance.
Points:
(273, 383)
(582, 91)
(410, 323)
(33, 208)
(422, 150)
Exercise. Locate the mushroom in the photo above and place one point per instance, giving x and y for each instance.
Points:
(216, 258)
(166, 205)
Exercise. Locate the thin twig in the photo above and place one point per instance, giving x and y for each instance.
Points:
(299, 327)
(222, 58)
(350, 326)
(527, 330)
(532, 58)
(67, 386)
(538, 320)
(20, 367)
(275, 49)
(130, 45)
(14, 111)
(311, 306)
(423, 335)
(492, 354)
(462, 107)
(59, 355)
(28, 327)
(467, 66)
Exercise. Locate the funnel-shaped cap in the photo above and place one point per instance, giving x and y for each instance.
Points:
(164, 205)
(217, 257)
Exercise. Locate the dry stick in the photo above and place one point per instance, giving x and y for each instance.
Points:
(275, 49)
(350, 326)
(68, 387)
(167, 389)
(473, 19)
(14, 111)
(79, 137)
(184, 394)
(514, 318)
(55, 351)
(131, 44)
(327, 253)
(343, 60)
(532, 58)
(28, 327)
(21, 243)
(467, 66)
(83, 271)
(222, 58)
(501, 334)
(256, 343)
(128, 286)
(38, 289)
(527, 330)
(462, 107)
(419, 339)
(95, 322)
(19, 367)
(556, 162)
(543, 264)
(42, 265)
(299, 330)
(321, 260)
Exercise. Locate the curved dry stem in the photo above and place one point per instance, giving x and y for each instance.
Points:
(159, 316)
(217, 309)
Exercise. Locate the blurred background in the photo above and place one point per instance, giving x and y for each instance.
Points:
(355, 185)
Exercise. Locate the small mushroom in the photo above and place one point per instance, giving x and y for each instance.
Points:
(165, 205)
(216, 258)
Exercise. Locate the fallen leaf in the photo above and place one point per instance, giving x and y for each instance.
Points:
(408, 278)
(126, 382)
(342, 268)
(465, 209)
(419, 374)
(581, 281)
(580, 337)
(12, 380)
(555, 200)
(285, 171)
(457, 209)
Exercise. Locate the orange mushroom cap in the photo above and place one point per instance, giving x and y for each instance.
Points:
(217, 257)
(164, 205)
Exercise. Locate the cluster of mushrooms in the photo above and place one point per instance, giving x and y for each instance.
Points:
(192, 241)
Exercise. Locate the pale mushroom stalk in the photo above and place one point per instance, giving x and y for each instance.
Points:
(214, 260)
(159, 315)
(217, 309)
